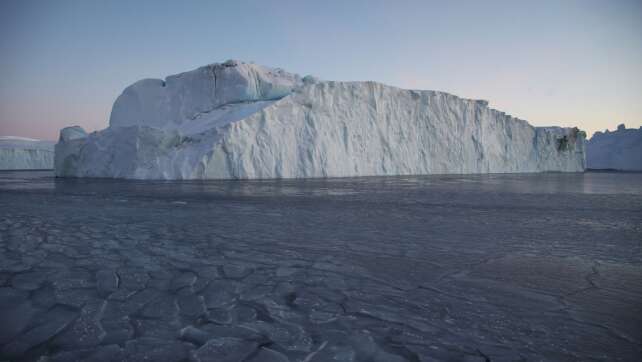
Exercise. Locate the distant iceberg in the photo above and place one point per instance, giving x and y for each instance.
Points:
(19, 153)
(238, 120)
(617, 150)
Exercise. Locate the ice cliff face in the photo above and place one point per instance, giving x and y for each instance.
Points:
(18, 153)
(617, 150)
(237, 121)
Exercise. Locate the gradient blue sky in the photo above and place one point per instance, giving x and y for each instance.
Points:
(557, 62)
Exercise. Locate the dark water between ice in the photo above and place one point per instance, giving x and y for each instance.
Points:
(497, 267)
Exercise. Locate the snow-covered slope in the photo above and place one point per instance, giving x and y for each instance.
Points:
(617, 150)
(19, 153)
(240, 120)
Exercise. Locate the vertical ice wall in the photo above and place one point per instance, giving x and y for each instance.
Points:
(18, 153)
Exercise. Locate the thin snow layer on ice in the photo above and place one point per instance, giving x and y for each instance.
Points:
(237, 121)
(617, 150)
(20, 153)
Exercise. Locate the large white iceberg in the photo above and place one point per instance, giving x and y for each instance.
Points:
(240, 121)
(19, 153)
(617, 150)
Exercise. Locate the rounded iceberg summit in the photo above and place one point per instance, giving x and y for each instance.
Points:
(236, 120)
(182, 97)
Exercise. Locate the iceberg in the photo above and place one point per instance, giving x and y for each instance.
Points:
(618, 150)
(237, 120)
(19, 153)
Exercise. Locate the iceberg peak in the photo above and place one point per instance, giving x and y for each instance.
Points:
(182, 97)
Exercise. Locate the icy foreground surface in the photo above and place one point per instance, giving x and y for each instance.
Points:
(242, 121)
(617, 150)
(19, 153)
(529, 267)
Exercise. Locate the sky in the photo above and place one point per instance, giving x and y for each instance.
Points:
(567, 63)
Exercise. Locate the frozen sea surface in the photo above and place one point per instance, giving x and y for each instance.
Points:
(432, 268)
